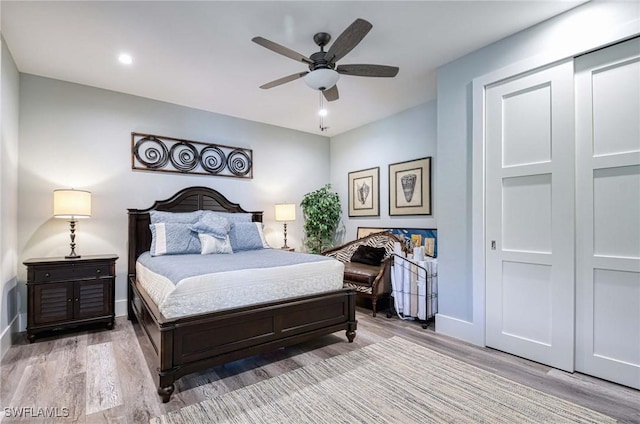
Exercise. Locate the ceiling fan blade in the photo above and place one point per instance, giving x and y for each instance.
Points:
(331, 94)
(283, 80)
(281, 50)
(368, 70)
(349, 38)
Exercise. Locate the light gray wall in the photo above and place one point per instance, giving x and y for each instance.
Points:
(584, 28)
(405, 136)
(78, 136)
(9, 105)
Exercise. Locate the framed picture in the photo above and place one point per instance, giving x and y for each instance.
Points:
(364, 192)
(412, 237)
(410, 187)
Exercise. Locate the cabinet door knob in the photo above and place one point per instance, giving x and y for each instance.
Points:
(76, 299)
(68, 300)
(98, 271)
(46, 274)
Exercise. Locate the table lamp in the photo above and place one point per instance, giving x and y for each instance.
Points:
(72, 205)
(285, 212)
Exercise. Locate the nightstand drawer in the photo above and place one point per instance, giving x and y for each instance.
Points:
(76, 272)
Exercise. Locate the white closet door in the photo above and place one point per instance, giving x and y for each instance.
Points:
(530, 292)
(608, 214)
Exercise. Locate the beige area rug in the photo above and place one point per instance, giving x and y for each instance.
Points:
(394, 381)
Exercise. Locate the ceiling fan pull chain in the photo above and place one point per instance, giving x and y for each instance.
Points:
(322, 112)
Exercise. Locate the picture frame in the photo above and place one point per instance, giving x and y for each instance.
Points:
(411, 237)
(410, 187)
(364, 192)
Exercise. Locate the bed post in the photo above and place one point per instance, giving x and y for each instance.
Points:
(352, 324)
(131, 273)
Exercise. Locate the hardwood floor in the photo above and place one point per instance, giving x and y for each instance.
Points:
(101, 376)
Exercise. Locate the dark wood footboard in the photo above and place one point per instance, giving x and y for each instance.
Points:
(195, 343)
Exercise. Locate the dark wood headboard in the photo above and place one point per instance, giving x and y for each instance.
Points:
(187, 200)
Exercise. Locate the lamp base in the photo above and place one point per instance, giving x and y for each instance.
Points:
(285, 237)
(72, 229)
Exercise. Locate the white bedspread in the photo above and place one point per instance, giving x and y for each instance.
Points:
(215, 291)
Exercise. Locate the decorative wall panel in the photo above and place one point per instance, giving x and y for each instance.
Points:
(165, 154)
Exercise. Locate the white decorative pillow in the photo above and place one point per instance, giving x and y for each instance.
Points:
(247, 236)
(211, 244)
(173, 239)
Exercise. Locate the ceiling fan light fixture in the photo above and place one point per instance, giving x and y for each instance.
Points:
(322, 79)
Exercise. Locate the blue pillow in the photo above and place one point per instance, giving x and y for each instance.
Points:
(175, 217)
(173, 239)
(236, 217)
(213, 224)
(247, 236)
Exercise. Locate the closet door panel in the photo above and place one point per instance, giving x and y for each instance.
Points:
(529, 216)
(608, 213)
(616, 211)
(616, 108)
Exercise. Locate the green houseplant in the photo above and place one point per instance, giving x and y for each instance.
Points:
(321, 210)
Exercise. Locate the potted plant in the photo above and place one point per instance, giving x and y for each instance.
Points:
(321, 210)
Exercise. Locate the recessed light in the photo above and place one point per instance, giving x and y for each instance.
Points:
(323, 112)
(125, 59)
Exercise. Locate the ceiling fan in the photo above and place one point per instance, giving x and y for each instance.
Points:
(323, 74)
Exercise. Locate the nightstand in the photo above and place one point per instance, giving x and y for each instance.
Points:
(64, 293)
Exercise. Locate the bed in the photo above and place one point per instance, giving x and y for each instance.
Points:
(190, 343)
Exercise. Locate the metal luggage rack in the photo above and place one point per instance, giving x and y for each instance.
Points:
(414, 276)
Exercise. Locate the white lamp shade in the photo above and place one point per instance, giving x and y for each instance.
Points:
(71, 204)
(322, 79)
(286, 212)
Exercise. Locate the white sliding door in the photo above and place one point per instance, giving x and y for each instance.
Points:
(608, 213)
(530, 294)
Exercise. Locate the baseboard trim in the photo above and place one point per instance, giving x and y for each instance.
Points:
(6, 340)
(459, 329)
(121, 307)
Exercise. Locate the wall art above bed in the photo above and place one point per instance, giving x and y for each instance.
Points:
(165, 154)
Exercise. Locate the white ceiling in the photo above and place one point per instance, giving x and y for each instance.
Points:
(200, 54)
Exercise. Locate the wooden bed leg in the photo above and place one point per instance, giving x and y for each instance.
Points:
(166, 392)
(351, 330)
(165, 384)
(351, 335)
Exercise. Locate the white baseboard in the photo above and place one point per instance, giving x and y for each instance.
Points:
(6, 340)
(121, 307)
(459, 329)
(22, 325)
